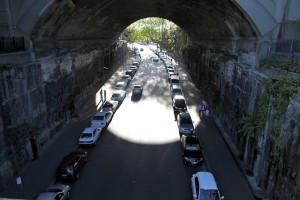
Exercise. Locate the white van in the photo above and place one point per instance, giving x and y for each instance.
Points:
(204, 187)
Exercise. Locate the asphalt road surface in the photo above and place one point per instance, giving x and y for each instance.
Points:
(138, 156)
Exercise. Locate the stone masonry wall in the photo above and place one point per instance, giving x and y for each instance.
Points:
(37, 99)
(232, 89)
(22, 113)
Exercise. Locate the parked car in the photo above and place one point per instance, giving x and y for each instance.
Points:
(185, 123)
(191, 150)
(55, 192)
(118, 95)
(71, 165)
(204, 187)
(129, 72)
(172, 74)
(179, 104)
(110, 106)
(136, 63)
(122, 85)
(102, 119)
(137, 60)
(137, 90)
(174, 80)
(176, 90)
(133, 68)
(90, 136)
(126, 78)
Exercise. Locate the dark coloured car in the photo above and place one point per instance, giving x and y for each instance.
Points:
(191, 150)
(185, 123)
(130, 73)
(110, 106)
(179, 104)
(71, 165)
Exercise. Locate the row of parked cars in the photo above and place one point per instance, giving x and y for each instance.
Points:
(203, 184)
(71, 164)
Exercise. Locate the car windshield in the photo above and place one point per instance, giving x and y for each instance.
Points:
(115, 95)
(137, 87)
(192, 154)
(86, 135)
(174, 81)
(209, 195)
(180, 103)
(186, 121)
(177, 90)
(98, 118)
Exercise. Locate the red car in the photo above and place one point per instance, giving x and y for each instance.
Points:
(71, 165)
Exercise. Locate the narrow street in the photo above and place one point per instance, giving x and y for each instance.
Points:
(138, 156)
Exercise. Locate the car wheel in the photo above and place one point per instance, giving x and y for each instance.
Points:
(68, 195)
(95, 142)
(77, 176)
(85, 160)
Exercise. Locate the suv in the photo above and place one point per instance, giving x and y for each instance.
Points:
(71, 165)
(179, 104)
(191, 150)
(185, 123)
(204, 187)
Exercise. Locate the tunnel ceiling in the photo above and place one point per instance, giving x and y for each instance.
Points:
(100, 19)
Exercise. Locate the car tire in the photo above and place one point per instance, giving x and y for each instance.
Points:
(95, 142)
(77, 176)
(68, 195)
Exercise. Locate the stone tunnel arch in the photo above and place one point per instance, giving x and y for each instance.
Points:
(206, 21)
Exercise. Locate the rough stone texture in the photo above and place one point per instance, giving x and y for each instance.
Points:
(232, 88)
(94, 19)
(23, 105)
(37, 99)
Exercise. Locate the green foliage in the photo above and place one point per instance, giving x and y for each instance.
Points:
(153, 30)
(281, 63)
(183, 47)
(280, 89)
(70, 4)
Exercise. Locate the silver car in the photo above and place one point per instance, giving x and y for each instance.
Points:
(185, 123)
(118, 95)
(57, 191)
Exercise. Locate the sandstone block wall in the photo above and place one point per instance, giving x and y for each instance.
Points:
(232, 88)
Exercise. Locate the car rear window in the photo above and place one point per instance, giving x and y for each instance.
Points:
(192, 154)
(98, 118)
(86, 135)
(186, 121)
(180, 103)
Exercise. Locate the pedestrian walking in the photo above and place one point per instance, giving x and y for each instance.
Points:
(200, 109)
(206, 110)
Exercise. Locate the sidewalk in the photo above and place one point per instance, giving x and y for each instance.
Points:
(256, 190)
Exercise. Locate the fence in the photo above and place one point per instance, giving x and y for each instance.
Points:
(11, 44)
(285, 49)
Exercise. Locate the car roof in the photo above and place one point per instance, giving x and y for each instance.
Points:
(184, 115)
(207, 181)
(119, 91)
(69, 159)
(178, 97)
(46, 195)
(175, 87)
(90, 129)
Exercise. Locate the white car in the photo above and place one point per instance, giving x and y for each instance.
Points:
(118, 95)
(90, 136)
(122, 85)
(204, 187)
(102, 119)
(57, 191)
